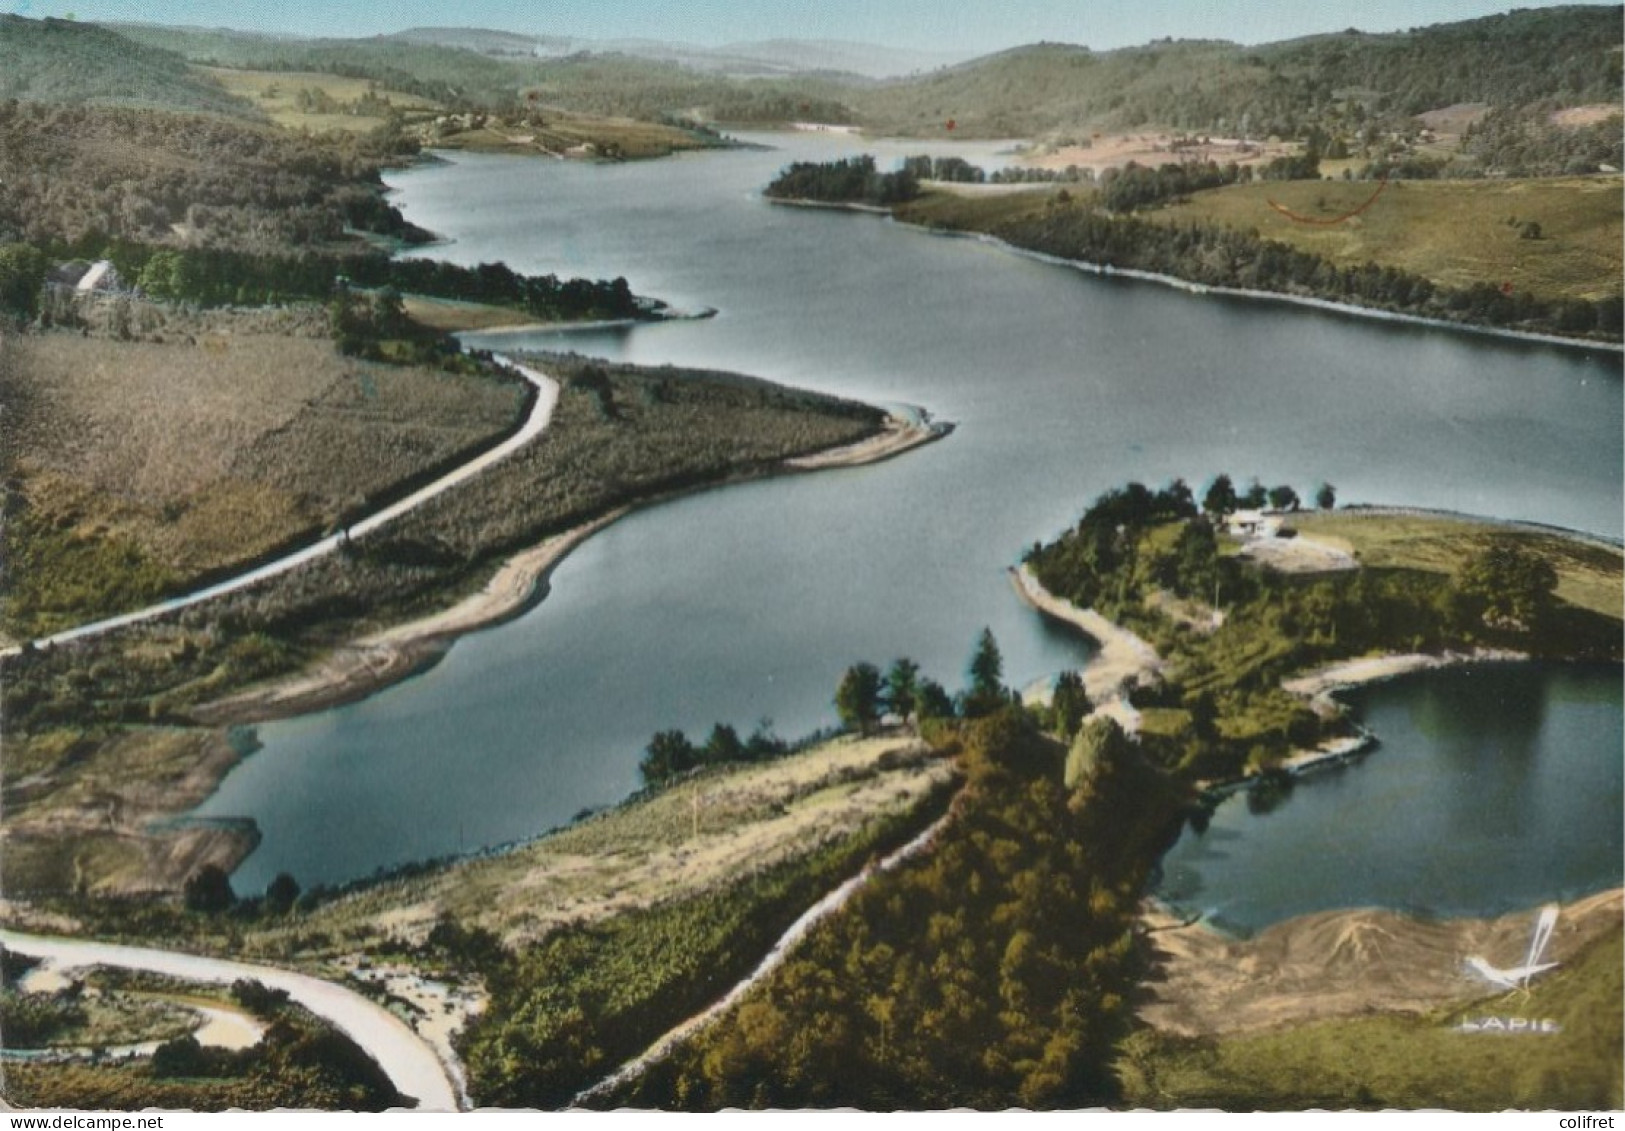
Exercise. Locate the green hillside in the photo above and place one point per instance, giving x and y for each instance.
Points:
(68, 62)
(607, 84)
(1565, 56)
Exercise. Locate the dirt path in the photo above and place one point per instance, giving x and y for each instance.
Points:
(547, 395)
(411, 1065)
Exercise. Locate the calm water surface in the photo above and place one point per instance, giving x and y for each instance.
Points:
(1495, 787)
(747, 603)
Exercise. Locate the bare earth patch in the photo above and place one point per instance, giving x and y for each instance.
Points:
(1341, 963)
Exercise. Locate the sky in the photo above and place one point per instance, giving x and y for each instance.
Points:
(968, 27)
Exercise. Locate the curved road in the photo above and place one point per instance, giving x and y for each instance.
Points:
(408, 1061)
(541, 412)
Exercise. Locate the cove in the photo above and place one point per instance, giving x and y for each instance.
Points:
(1495, 787)
(748, 602)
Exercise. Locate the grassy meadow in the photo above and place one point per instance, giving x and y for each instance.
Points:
(1455, 233)
(1589, 574)
(308, 100)
(146, 464)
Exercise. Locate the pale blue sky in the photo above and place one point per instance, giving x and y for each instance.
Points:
(938, 25)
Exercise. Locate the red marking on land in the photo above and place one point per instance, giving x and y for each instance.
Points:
(952, 123)
(1506, 288)
(1321, 222)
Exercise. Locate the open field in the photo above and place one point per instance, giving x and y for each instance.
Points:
(199, 452)
(1365, 1008)
(566, 134)
(1112, 150)
(1455, 233)
(450, 316)
(317, 102)
(1589, 574)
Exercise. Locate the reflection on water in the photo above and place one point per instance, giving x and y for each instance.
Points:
(1495, 787)
(751, 601)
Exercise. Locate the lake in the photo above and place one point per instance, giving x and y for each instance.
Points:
(1494, 787)
(748, 603)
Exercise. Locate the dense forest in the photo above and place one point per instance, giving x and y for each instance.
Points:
(999, 970)
(215, 212)
(79, 176)
(64, 61)
(853, 180)
(1350, 80)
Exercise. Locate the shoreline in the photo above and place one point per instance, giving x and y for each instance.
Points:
(381, 659)
(1106, 270)
(1122, 656)
(1340, 963)
(1329, 305)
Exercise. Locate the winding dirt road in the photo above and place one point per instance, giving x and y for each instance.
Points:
(541, 413)
(408, 1061)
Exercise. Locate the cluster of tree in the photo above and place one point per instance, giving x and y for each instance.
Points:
(1523, 142)
(865, 696)
(1303, 166)
(999, 969)
(32, 1021)
(80, 177)
(65, 61)
(330, 1069)
(565, 1010)
(22, 274)
(221, 277)
(670, 754)
(851, 180)
(1136, 186)
(1229, 257)
(208, 891)
(1227, 681)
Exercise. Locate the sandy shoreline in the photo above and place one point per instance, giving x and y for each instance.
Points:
(359, 669)
(1342, 963)
(1124, 660)
(1320, 684)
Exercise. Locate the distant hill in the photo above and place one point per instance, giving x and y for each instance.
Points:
(68, 62)
(487, 68)
(1567, 56)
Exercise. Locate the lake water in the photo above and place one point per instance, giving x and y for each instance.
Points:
(749, 602)
(1495, 787)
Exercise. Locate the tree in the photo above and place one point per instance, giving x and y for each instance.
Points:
(1070, 706)
(932, 701)
(902, 687)
(668, 754)
(858, 697)
(1283, 498)
(209, 890)
(22, 274)
(723, 745)
(1326, 497)
(1099, 744)
(281, 893)
(1508, 585)
(1256, 496)
(986, 693)
(1220, 497)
